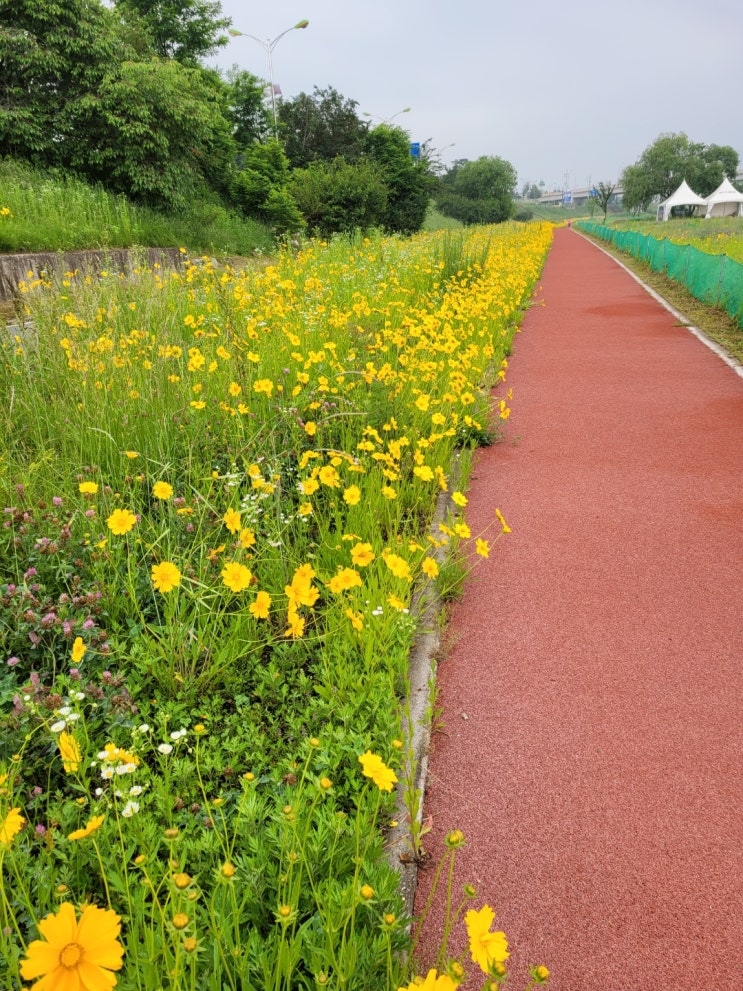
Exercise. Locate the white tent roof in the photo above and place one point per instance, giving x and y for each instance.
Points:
(684, 196)
(725, 193)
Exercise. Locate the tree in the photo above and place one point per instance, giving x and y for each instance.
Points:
(672, 158)
(185, 30)
(604, 193)
(156, 131)
(408, 182)
(259, 187)
(321, 127)
(53, 53)
(250, 116)
(479, 192)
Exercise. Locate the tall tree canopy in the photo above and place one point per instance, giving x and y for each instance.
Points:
(669, 160)
(479, 192)
(186, 30)
(320, 127)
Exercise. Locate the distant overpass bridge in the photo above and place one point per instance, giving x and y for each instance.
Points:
(575, 197)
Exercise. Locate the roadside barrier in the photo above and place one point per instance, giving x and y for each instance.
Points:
(714, 279)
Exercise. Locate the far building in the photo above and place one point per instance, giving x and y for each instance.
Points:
(577, 197)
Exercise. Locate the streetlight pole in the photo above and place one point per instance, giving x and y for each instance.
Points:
(268, 47)
(386, 120)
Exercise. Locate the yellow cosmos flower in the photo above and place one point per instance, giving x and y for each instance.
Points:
(346, 579)
(506, 527)
(11, 826)
(235, 389)
(247, 538)
(88, 488)
(132, 454)
(78, 650)
(231, 520)
(263, 385)
(398, 566)
(388, 492)
(423, 472)
(236, 576)
(162, 490)
(309, 486)
(459, 498)
(433, 982)
(69, 751)
(261, 608)
(197, 403)
(396, 602)
(90, 827)
(486, 948)
(362, 555)
(165, 576)
(374, 767)
(429, 567)
(357, 620)
(75, 954)
(121, 521)
(462, 530)
(328, 476)
(310, 428)
(352, 495)
(482, 547)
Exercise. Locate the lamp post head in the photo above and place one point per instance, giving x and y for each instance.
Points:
(301, 24)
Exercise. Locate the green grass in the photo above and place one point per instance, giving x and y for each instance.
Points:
(718, 325)
(49, 212)
(437, 221)
(718, 235)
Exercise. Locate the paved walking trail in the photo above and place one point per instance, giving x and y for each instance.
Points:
(592, 748)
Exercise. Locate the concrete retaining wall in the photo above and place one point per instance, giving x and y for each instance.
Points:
(15, 268)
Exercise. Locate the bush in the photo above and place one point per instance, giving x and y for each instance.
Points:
(339, 197)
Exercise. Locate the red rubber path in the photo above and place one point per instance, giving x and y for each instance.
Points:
(592, 693)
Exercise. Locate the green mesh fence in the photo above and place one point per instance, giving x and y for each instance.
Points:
(715, 279)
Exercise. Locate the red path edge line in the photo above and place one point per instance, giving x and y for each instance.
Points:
(592, 684)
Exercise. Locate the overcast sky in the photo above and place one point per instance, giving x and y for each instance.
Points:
(576, 89)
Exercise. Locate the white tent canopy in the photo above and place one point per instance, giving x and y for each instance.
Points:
(684, 196)
(726, 201)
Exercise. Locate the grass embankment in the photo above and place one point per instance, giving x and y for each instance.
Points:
(713, 236)
(59, 213)
(217, 490)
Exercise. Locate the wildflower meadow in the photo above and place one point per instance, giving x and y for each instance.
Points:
(217, 494)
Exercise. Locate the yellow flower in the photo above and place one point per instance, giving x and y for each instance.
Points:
(131, 454)
(459, 499)
(180, 921)
(362, 555)
(374, 767)
(88, 488)
(70, 751)
(462, 530)
(346, 579)
(398, 566)
(78, 650)
(486, 948)
(75, 954)
(429, 567)
(12, 824)
(366, 891)
(423, 472)
(357, 620)
(261, 607)
(236, 576)
(162, 490)
(388, 492)
(432, 982)
(352, 495)
(197, 403)
(482, 547)
(328, 476)
(90, 827)
(506, 527)
(121, 521)
(396, 602)
(235, 389)
(231, 520)
(263, 385)
(165, 576)
(247, 538)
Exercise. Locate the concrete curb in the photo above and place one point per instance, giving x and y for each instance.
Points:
(428, 607)
(681, 317)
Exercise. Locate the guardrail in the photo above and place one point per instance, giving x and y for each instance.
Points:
(714, 279)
